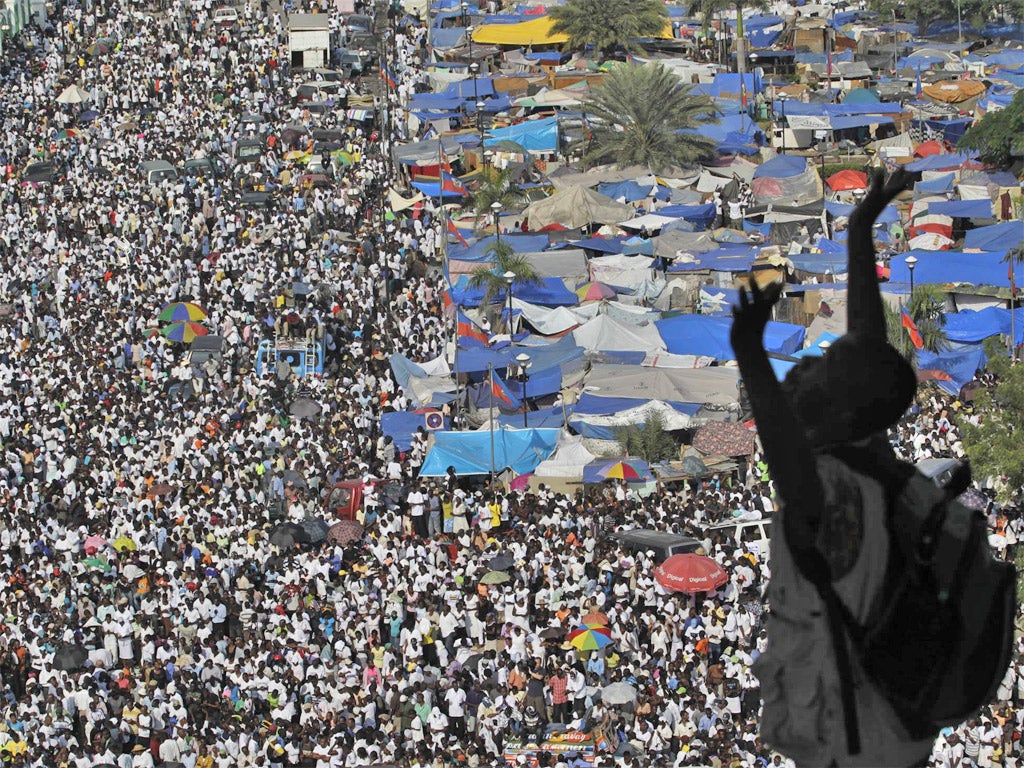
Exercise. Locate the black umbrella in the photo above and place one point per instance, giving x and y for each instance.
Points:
(501, 563)
(304, 408)
(552, 633)
(289, 534)
(70, 657)
(315, 528)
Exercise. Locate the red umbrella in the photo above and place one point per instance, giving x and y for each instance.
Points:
(690, 573)
(846, 180)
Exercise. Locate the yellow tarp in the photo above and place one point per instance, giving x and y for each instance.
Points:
(953, 91)
(533, 32)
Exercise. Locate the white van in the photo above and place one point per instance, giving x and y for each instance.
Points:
(225, 17)
(755, 533)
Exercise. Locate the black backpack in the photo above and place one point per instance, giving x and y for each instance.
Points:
(938, 641)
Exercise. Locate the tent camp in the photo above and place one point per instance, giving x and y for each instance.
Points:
(604, 333)
(520, 450)
(576, 207)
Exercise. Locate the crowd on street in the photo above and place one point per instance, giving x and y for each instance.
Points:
(135, 487)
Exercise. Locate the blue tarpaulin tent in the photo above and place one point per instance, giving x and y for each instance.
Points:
(701, 335)
(968, 326)
(962, 209)
(549, 292)
(945, 162)
(937, 186)
(533, 135)
(478, 251)
(521, 450)
(951, 267)
(700, 215)
(1007, 236)
(400, 427)
(958, 365)
(781, 167)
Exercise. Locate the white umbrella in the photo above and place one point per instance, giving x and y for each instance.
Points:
(618, 693)
(73, 94)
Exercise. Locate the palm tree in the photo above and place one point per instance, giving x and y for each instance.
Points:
(608, 25)
(927, 309)
(639, 114)
(496, 186)
(492, 279)
(650, 442)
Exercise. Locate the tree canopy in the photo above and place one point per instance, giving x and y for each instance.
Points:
(927, 309)
(924, 12)
(638, 114)
(650, 441)
(998, 136)
(492, 278)
(995, 446)
(608, 25)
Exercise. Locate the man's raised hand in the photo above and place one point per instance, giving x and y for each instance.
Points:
(753, 312)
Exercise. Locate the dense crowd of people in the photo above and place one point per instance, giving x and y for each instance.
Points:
(148, 618)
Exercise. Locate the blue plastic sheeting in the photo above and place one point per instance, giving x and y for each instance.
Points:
(937, 186)
(698, 214)
(1007, 236)
(477, 359)
(946, 162)
(592, 405)
(979, 178)
(433, 189)
(809, 57)
(552, 356)
(763, 38)
(758, 22)
(952, 267)
(521, 450)
(834, 110)
(434, 101)
(951, 130)
(729, 82)
(602, 244)
(700, 335)
(781, 167)
(735, 258)
(400, 427)
(843, 122)
(832, 263)
(533, 135)
(994, 99)
(545, 418)
(968, 326)
(862, 96)
(549, 292)
(962, 209)
(1013, 57)
(629, 190)
(541, 383)
(592, 471)
(959, 362)
(637, 246)
(478, 251)
(782, 367)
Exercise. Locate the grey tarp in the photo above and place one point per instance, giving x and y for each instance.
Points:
(697, 385)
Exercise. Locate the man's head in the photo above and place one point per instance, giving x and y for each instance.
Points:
(855, 389)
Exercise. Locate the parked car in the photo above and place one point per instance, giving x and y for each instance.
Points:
(225, 17)
(207, 167)
(756, 534)
(248, 150)
(42, 172)
(662, 543)
(155, 171)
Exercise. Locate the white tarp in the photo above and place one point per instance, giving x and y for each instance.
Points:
(699, 385)
(668, 360)
(605, 334)
(619, 270)
(568, 460)
(671, 418)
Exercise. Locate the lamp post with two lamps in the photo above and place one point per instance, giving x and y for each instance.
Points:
(523, 376)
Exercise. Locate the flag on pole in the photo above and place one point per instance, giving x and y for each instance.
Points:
(503, 394)
(919, 90)
(451, 185)
(458, 234)
(908, 322)
(468, 329)
(386, 76)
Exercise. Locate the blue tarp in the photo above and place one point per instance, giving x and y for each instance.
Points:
(533, 135)
(732, 258)
(937, 186)
(951, 130)
(962, 209)
(968, 326)
(400, 427)
(781, 167)
(602, 244)
(782, 367)
(519, 242)
(549, 292)
(952, 267)
(629, 190)
(823, 109)
(729, 82)
(701, 215)
(547, 418)
(959, 363)
(476, 359)
(701, 335)
(890, 215)
(844, 122)
(470, 452)
(1007, 236)
(433, 189)
(945, 162)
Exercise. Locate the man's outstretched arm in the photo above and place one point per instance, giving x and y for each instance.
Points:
(787, 449)
(865, 315)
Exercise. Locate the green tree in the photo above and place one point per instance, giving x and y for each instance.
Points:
(998, 136)
(496, 186)
(608, 25)
(650, 442)
(924, 12)
(927, 309)
(492, 279)
(639, 112)
(995, 446)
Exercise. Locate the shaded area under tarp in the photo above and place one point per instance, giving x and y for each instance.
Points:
(521, 450)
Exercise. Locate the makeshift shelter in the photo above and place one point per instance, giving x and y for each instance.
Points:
(576, 207)
(536, 31)
(603, 333)
(539, 136)
(567, 461)
(520, 450)
(702, 335)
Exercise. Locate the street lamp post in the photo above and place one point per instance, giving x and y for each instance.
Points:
(496, 213)
(480, 121)
(753, 69)
(911, 262)
(523, 360)
(782, 102)
(510, 277)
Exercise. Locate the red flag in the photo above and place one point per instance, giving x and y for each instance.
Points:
(908, 322)
(455, 231)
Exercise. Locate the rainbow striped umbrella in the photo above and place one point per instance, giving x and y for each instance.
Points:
(634, 469)
(184, 332)
(590, 637)
(595, 292)
(181, 311)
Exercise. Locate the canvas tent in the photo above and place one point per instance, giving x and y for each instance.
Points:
(604, 333)
(576, 207)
